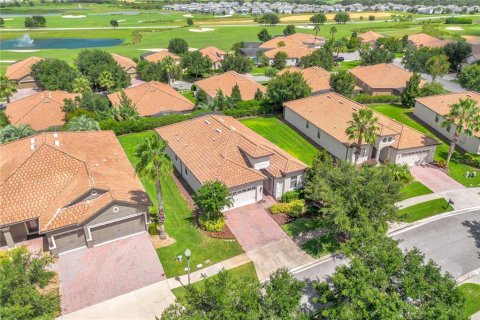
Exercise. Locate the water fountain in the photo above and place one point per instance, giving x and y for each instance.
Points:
(25, 41)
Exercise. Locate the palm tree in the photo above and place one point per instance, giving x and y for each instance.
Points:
(83, 123)
(339, 45)
(12, 133)
(7, 87)
(169, 67)
(362, 128)
(333, 30)
(153, 164)
(81, 85)
(105, 80)
(465, 116)
(317, 30)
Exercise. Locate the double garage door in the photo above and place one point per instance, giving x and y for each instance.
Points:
(244, 197)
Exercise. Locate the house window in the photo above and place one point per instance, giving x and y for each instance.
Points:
(293, 182)
(384, 139)
(186, 171)
(449, 128)
(318, 134)
(437, 118)
(363, 152)
(176, 158)
(390, 139)
(307, 124)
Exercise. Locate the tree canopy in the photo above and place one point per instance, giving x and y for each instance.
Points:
(411, 92)
(178, 46)
(289, 30)
(237, 63)
(469, 77)
(196, 64)
(319, 58)
(319, 18)
(342, 82)
(456, 52)
(54, 74)
(269, 19)
(263, 35)
(288, 86)
(375, 55)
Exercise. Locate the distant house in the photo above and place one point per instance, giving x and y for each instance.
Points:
(154, 99)
(296, 39)
(370, 37)
(316, 77)
(425, 40)
(75, 189)
(215, 147)
(252, 50)
(225, 82)
(475, 54)
(324, 119)
(214, 54)
(41, 110)
(160, 55)
(127, 64)
(381, 79)
(294, 54)
(20, 72)
(432, 111)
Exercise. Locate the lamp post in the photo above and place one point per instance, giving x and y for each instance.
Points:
(188, 253)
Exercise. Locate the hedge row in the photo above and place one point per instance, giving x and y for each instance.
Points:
(363, 98)
(458, 20)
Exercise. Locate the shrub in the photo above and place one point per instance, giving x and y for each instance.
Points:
(442, 163)
(400, 173)
(290, 196)
(364, 98)
(193, 87)
(211, 225)
(458, 20)
(468, 158)
(293, 209)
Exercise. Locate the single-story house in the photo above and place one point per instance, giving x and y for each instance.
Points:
(474, 56)
(370, 37)
(432, 111)
(424, 40)
(324, 119)
(316, 77)
(20, 72)
(252, 50)
(296, 39)
(160, 55)
(225, 82)
(75, 189)
(294, 53)
(217, 147)
(381, 79)
(154, 99)
(127, 64)
(214, 54)
(41, 110)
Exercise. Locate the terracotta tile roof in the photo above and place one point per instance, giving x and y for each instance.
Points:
(213, 53)
(213, 147)
(152, 98)
(370, 37)
(40, 110)
(472, 39)
(21, 69)
(124, 62)
(226, 81)
(441, 104)
(44, 182)
(316, 77)
(425, 40)
(331, 112)
(296, 39)
(160, 55)
(382, 76)
(293, 51)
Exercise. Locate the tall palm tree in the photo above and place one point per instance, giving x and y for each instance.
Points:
(169, 67)
(12, 133)
(333, 30)
(153, 164)
(83, 123)
(362, 128)
(81, 85)
(105, 80)
(317, 30)
(465, 116)
(7, 87)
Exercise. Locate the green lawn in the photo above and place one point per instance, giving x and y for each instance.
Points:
(321, 246)
(179, 224)
(283, 136)
(404, 115)
(346, 65)
(424, 210)
(301, 225)
(245, 270)
(258, 70)
(471, 292)
(414, 189)
(189, 95)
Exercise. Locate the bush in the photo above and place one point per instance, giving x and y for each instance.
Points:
(468, 158)
(364, 98)
(293, 209)
(458, 20)
(211, 225)
(290, 196)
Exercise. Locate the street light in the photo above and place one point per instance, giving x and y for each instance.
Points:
(188, 253)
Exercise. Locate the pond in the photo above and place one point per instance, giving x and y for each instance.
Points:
(57, 43)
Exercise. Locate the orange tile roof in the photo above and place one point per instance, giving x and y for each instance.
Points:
(472, 39)
(21, 69)
(213, 53)
(42, 183)
(152, 98)
(293, 51)
(213, 147)
(441, 103)
(40, 110)
(160, 55)
(382, 76)
(370, 37)
(425, 40)
(124, 62)
(316, 77)
(331, 112)
(226, 81)
(296, 39)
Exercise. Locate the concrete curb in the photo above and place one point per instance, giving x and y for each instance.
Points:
(321, 260)
(468, 275)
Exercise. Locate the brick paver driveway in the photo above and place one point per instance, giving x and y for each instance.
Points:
(90, 276)
(434, 178)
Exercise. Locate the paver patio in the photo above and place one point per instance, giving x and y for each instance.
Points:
(434, 178)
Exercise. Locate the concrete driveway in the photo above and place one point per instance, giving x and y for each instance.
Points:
(90, 276)
(434, 178)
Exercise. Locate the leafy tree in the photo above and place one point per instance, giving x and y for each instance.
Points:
(154, 163)
(29, 23)
(269, 19)
(12, 133)
(196, 64)
(114, 23)
(342, 17)
(2, 22)
(375, 55)
(236, 95)
(280, 60)
(23, 276)
(237, 46)
(411, 92)
(189, 22)
(263, 35)
(354, 43)
(258, 95)
(416, 59)
(270, 72)
(457, 52)
(431, 89)
(211, 198)
(319, 58)
(339, 45)
(288, 86)
(319, 18)
(390, 43)
(151, 71)
(105, 80)
(87, 101)
(7, 87)
(201, 98)
(469, 77)
(35, 22)
(178, 46)
(4, 121)
(342, 82)
(362, 129)
(237, 63)
(81, 85)
(437, 66)
(171, 70)
(371, 18)
(289, 30)
(123, 111)
(83, 123)
(465, 117)
(333, 31)
(54, 74)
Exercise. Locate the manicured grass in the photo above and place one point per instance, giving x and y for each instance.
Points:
(404, 115)
(189, 95)
(179, 223)
(301, 225)
(346, 65)
(321, 246)
(258, 71)
(414, 189)
(283, 136)
(471, 292)
(245, 270)
(424, 210)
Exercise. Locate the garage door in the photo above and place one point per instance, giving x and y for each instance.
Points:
(69, 241)
(414, 157)
(244, 197)
(117, 229)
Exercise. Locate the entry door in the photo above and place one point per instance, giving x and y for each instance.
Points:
(32, 226)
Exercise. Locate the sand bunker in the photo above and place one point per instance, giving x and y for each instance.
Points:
(305, 27)
(225, 16)
(454, 28)
(70, 16)
(188, 15)
(201, 30)
(153, 50)
(121, 20)
(192, 49)
(23, 50)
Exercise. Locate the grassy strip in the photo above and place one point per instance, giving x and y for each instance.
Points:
(301, 225)
(321, 246)
(414, 189)
(471, 292)
(424, 210)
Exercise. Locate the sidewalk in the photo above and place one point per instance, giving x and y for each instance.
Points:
(463, 198)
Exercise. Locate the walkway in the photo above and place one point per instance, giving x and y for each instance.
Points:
(434, 178)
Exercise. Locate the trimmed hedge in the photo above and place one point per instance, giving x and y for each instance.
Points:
(211, 225)
(458, 20)
(294, 209)
(364, 98)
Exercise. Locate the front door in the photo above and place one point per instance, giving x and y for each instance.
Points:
(32, 226)
(374, 153)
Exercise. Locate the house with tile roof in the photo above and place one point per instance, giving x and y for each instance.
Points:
(381, 79)
(41, 110)
(296, 39)
(20, 72)
(294, 53)
(74, 189)
(127, 64)
(215, 55)
(159, 56)
(324, 119)
(316, 77)
(474, 56)
(424, 40)
(370, 37)
(217, 147)
(225, 82)
(432, 111)
(154, 99)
